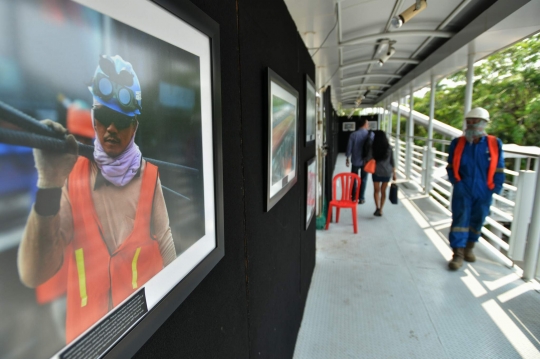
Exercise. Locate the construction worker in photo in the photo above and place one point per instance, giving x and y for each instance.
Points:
(104, 221)
(476, 171)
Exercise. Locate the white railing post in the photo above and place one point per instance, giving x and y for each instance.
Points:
(429, 144)
(409, 138)
(429, 163)
(517, 168)
(522, 215)
(424, 166)
(533, 238)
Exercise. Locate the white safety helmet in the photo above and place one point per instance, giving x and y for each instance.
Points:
(478, 112)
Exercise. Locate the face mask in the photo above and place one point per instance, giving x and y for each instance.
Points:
(475, 130)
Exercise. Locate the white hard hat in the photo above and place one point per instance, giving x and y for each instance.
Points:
(478, 112)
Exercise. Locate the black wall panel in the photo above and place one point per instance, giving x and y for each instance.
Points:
(307, 244)
(251, 304)
(212, 322)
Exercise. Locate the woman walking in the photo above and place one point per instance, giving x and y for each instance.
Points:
(382, 153)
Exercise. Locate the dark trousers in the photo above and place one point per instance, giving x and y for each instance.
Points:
(363, 177)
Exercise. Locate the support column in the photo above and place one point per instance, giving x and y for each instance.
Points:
(398, 130)
(430, 134)
(389, 124)
(409, 138)
(470, 81)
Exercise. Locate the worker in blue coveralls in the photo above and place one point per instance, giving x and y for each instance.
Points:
(476, 170)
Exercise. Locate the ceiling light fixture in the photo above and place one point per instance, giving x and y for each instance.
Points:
(412, 11)
(391, 51)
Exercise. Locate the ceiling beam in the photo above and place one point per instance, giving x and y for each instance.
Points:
(396, 35)
(373, 61)
(485, 21)
(354, 78)
(363, 85)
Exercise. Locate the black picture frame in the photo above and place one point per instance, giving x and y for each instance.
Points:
(133, 340)
(311, 115)
(310, 213)
(279, 89)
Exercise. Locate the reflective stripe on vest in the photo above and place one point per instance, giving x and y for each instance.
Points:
(134, 268)
(79, 258)
(493, 151)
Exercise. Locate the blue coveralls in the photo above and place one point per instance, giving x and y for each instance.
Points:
(471, 198)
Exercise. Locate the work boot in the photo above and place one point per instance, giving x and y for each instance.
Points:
(468, 253)
(457, 259)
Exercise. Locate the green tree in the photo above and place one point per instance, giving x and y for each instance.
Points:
(507, 84)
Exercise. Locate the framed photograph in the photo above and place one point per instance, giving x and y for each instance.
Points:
(311, 189)
(348, 126)
(311, 110)
(124, 117)
(282, 138)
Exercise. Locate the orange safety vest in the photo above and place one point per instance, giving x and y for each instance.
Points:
(493, 151)
(55, 287)
(95, 276)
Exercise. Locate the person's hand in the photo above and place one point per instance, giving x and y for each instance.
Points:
(394, 177)
(54, 167)
(347, 162)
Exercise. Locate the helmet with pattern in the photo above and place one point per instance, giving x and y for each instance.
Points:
(116, 86)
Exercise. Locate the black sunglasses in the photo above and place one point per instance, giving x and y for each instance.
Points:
(119, 122)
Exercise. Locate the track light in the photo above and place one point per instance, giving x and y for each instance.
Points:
(391, 51)
(412, 11)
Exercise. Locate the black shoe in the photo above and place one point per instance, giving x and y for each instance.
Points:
(362, 201)
(377, 212)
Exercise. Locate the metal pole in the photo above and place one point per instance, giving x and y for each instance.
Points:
(470, 81)
(389, 124)
(398, 130)
(410, 134)
(430, 134)
(533, 237)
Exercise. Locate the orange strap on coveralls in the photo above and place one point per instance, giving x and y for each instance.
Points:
(493, 151)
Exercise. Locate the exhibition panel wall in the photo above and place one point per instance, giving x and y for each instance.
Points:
(251, 303)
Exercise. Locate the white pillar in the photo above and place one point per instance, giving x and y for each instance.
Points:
(398, 130)
(409, 138)
(389, 124)
(470, 81)
(533, 237)
(430, 134)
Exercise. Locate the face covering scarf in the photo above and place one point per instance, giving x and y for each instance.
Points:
(121, 169)
(475, 130)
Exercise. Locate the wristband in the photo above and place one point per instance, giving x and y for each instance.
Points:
(48, 201)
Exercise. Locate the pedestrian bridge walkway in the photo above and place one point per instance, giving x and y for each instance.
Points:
(386, 292)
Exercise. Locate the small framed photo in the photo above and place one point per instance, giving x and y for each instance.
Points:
(282, 138)
(311, 110)
(349, 126)
(311, 189)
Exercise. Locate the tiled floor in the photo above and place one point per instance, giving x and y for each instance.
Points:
(386, 292)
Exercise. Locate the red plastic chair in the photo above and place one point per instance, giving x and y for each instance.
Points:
(346, 180)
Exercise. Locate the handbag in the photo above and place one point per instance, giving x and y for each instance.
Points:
(393, 193)
(370, 166)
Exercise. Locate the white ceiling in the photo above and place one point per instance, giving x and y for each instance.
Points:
(426, 45)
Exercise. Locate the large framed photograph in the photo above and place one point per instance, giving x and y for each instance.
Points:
(111, 208)
(311, 189)
(311, 110)
(282, 138)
